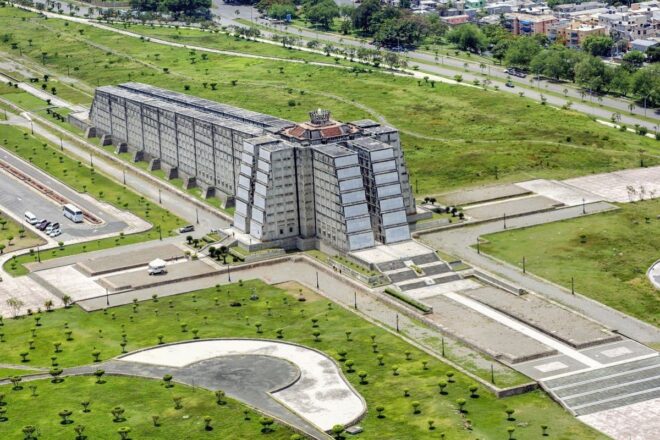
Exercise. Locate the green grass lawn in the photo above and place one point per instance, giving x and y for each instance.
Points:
(453, 136)
(82, 178)
(223, 41)
(21, 235)
(21, 98)
(209, 312)
(140, 398)
(607, 254)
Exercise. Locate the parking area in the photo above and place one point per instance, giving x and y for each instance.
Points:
(140, 278)
(622, 186)
(17, 197)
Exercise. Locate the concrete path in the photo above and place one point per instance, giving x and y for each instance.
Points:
(458, 242)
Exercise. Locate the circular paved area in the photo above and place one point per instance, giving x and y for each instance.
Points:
(654, 274)
(320, 394)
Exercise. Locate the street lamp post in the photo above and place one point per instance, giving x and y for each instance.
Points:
(397, 323)
(524, 268)
(61, 144)
(228, 273)
(160, 200)
(107, 297)
(38, 255)
(124, 176)
(317, 279)
(584, 209)
(504, 219)
(197, 215)
(355, 300)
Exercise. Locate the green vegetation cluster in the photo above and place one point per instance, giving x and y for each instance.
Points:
(404, 387)
(538, 55)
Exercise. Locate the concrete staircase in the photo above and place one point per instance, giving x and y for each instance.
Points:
(607, 388)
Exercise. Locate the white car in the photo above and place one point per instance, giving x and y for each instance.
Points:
(55, 232)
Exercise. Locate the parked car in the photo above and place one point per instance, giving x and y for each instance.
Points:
(43, 225)
(55, 225)
(55, 232)
(509, 84)
(188, 228)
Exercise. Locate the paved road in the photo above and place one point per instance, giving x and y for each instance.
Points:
(459, 241)
(447, 65)
(18, 198)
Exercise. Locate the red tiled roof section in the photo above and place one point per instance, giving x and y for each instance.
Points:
(332, 131)
(297, 131)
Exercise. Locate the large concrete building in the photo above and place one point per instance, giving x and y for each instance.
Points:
(345, 184)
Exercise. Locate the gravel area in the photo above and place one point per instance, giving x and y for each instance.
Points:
(543, 315)
(483, 194)
(512, 207)
(484, 333)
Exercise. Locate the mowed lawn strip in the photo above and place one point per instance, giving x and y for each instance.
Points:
(453, 136)
(209, 313)
(607, 255)
(82, 178)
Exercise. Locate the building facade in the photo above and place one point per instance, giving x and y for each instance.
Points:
(345, 184)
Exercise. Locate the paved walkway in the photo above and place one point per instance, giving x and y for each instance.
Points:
(458, 242)
(320, 394)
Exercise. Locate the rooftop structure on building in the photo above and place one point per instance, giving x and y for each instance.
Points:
(292, 184)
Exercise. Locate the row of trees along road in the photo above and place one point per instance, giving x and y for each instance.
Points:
(538, 55)
(389, 26)
(178, 8)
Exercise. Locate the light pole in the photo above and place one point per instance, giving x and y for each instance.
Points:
(38, 255)
(397, 323)
(228, 273)
(107, 297)
(91, 160)
(31, 127)
(124, 176)
(524, 268)
(317, 279)
(504, 219)
(61, 144)
(160, 233)
(573, 285)
(197, 215)
(160, 201)
(478, 250)
(584, 209)
(355, 300)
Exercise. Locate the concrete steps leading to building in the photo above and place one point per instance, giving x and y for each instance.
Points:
(608, 387)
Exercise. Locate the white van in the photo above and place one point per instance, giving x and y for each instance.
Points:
(31, 218)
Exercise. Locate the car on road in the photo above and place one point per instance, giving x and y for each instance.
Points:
(187, 228)
(516, 72)
(509, 84)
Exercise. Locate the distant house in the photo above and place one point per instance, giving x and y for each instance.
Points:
(642, 45)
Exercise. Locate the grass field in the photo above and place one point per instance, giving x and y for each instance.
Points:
(84, 179)
(453, 136)
(21, 235)
(209, 311)
(21, 98)
(140, 398)
(607, 254)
